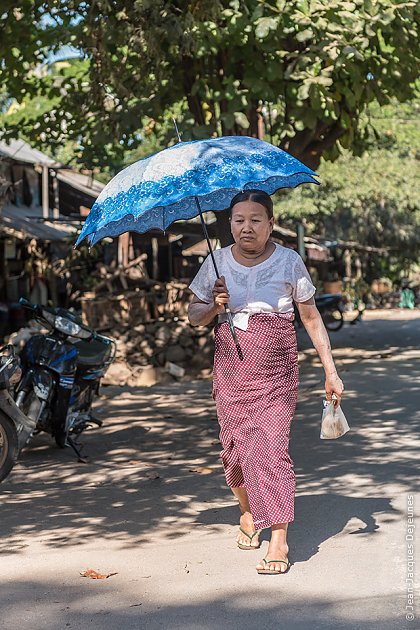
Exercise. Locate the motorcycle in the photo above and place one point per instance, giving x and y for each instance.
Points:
(61, 374)
(15, 427)
(331, 308)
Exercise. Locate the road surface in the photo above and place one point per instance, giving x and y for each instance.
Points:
(152, 507)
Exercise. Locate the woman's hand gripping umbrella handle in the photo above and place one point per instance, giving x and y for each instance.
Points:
(233, 331)
(221, 299)
(226, 307)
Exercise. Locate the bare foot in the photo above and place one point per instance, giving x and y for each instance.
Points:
(247, 524)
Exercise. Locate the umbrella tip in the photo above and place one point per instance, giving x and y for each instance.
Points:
(177, 131)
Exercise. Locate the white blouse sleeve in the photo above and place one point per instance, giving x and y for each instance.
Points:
(203, 282)
(302, 287)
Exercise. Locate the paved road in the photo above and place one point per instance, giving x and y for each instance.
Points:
(152, 506)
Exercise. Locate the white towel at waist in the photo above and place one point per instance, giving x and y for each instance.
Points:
(241, 318)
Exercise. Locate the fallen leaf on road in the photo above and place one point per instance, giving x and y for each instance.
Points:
(152, 475)
(202, 470)
(94, 575)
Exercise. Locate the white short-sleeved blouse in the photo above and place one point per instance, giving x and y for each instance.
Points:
(268, 287)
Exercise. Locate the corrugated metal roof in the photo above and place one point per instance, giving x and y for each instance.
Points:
(23, 222)
(84, 183)
(21, 151)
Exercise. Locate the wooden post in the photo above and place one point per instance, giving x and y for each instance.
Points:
(260, 125)
(123, 246)
(56, 208)
(130, 247)
(347, 263)
(155, 250)
(170, 257)
(300, 231)
(45, 200)
(3, 270)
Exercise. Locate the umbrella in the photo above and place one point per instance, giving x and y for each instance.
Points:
(185, 181)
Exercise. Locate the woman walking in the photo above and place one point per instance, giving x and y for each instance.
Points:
(256, 397)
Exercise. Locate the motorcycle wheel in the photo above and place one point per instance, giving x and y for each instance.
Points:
(9, 446)
(61, 438)
(333, 320)
(25, 405)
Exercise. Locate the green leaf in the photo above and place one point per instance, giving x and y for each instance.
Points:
(228, 119)
(303, 36)
(327, 81)
(310, 118)
(265, 25)
(303, 91)
(299, 125)
(241, 120)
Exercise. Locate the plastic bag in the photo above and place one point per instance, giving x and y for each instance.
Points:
(333, 422)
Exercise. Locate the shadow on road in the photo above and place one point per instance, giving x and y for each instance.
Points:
(318, 518)
(154, 468)
(367, 612)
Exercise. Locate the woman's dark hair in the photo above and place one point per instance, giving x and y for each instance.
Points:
(258, 196)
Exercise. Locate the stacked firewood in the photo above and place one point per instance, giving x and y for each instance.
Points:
(149, 321)
(165, 343)
(125, 295)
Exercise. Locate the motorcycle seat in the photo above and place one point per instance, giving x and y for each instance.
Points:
(328, 296)
(92, 353)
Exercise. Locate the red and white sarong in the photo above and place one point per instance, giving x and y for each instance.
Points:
(256, 400)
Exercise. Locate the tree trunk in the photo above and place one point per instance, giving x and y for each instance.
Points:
(308, 146)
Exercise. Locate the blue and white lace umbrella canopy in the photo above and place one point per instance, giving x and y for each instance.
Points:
(158, 190)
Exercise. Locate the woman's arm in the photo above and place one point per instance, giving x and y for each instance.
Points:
(315, 328)
(200, 313)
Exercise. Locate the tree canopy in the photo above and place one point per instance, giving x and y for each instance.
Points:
(305, 68)
(373, 199)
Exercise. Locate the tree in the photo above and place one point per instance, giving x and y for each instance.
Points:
(310, 67)
(373, 199)
(300, 71)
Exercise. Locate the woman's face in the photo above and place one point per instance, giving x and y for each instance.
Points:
(250, 226)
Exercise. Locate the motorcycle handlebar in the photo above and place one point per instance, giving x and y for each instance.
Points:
(25, 303)
(36, 308)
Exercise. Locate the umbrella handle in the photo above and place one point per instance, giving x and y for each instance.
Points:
(233, 331)
(227, 309)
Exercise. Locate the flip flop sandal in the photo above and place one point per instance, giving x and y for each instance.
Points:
(267, 571)
(248, 547)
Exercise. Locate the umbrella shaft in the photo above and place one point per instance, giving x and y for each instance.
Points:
(206, 234)
(227, 309)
